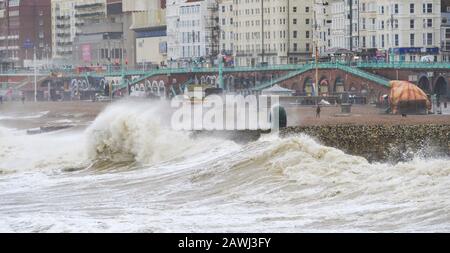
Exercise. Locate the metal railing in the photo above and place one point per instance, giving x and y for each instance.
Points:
(306, 67)
(404, 65)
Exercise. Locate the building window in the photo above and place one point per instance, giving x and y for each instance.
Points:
(396, 8)
(294, 9)
(307, 9)
(429, 39)
(412, 39)
(411, 23)
(427, 8)
(411, 8)
(396, 40)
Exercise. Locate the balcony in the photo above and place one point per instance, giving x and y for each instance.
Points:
(63, 34)
(64, 17)
(90, 14)
(63, 26)
(88, 6)
(63, 44)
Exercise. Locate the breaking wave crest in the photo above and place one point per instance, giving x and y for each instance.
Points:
(139, 132)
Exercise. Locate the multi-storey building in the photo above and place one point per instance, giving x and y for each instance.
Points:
(445, 30)
(148, 30)
(100, 41)
(25, 28)
(192, 31)
(272, 32)
(402, 30)
(322, 25)
(68, 18)
(409, 30)
(344, 24)
(226, 23)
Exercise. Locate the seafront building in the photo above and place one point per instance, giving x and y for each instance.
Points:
(270, 32)
(100, 41)
(147, 32)
(192, 32)
(445, 31)
(383, 29)
(68, 18)
(25, 28)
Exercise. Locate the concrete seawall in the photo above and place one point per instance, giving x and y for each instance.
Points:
(381, 142)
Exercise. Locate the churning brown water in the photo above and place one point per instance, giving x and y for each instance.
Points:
(129, 173)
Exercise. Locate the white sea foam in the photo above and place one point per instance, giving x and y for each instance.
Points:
(177, 184)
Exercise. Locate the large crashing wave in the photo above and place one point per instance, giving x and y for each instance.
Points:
(131, 131)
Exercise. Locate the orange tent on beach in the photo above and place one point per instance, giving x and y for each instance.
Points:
(406, 97)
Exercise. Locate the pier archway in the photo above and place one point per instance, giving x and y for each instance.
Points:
(324, 86)
(424, 84)
(441, 87)
(308, 86)
(162, 89)
(339, 86)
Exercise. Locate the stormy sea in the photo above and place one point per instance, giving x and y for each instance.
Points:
(127, 171)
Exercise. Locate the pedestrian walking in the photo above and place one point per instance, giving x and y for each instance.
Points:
(318, 109)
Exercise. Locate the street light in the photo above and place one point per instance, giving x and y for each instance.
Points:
(316, 43)
(35, 75)
(108, 53)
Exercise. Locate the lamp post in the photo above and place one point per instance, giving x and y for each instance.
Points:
(35, 75)
(262, 32)
(316, 39)
(316, 48)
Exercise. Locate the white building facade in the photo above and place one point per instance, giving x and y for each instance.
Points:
(385, 30)
(265, 31)
(445, 32)
(192, 31)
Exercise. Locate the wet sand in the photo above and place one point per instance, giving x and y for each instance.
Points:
(360, 115)
(32, 115)
(80, 113)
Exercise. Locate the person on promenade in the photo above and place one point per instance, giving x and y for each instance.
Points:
(318, 109)
(23, 98)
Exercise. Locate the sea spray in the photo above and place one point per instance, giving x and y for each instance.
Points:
(139, 132)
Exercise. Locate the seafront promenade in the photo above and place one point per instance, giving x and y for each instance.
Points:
(85, 111)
